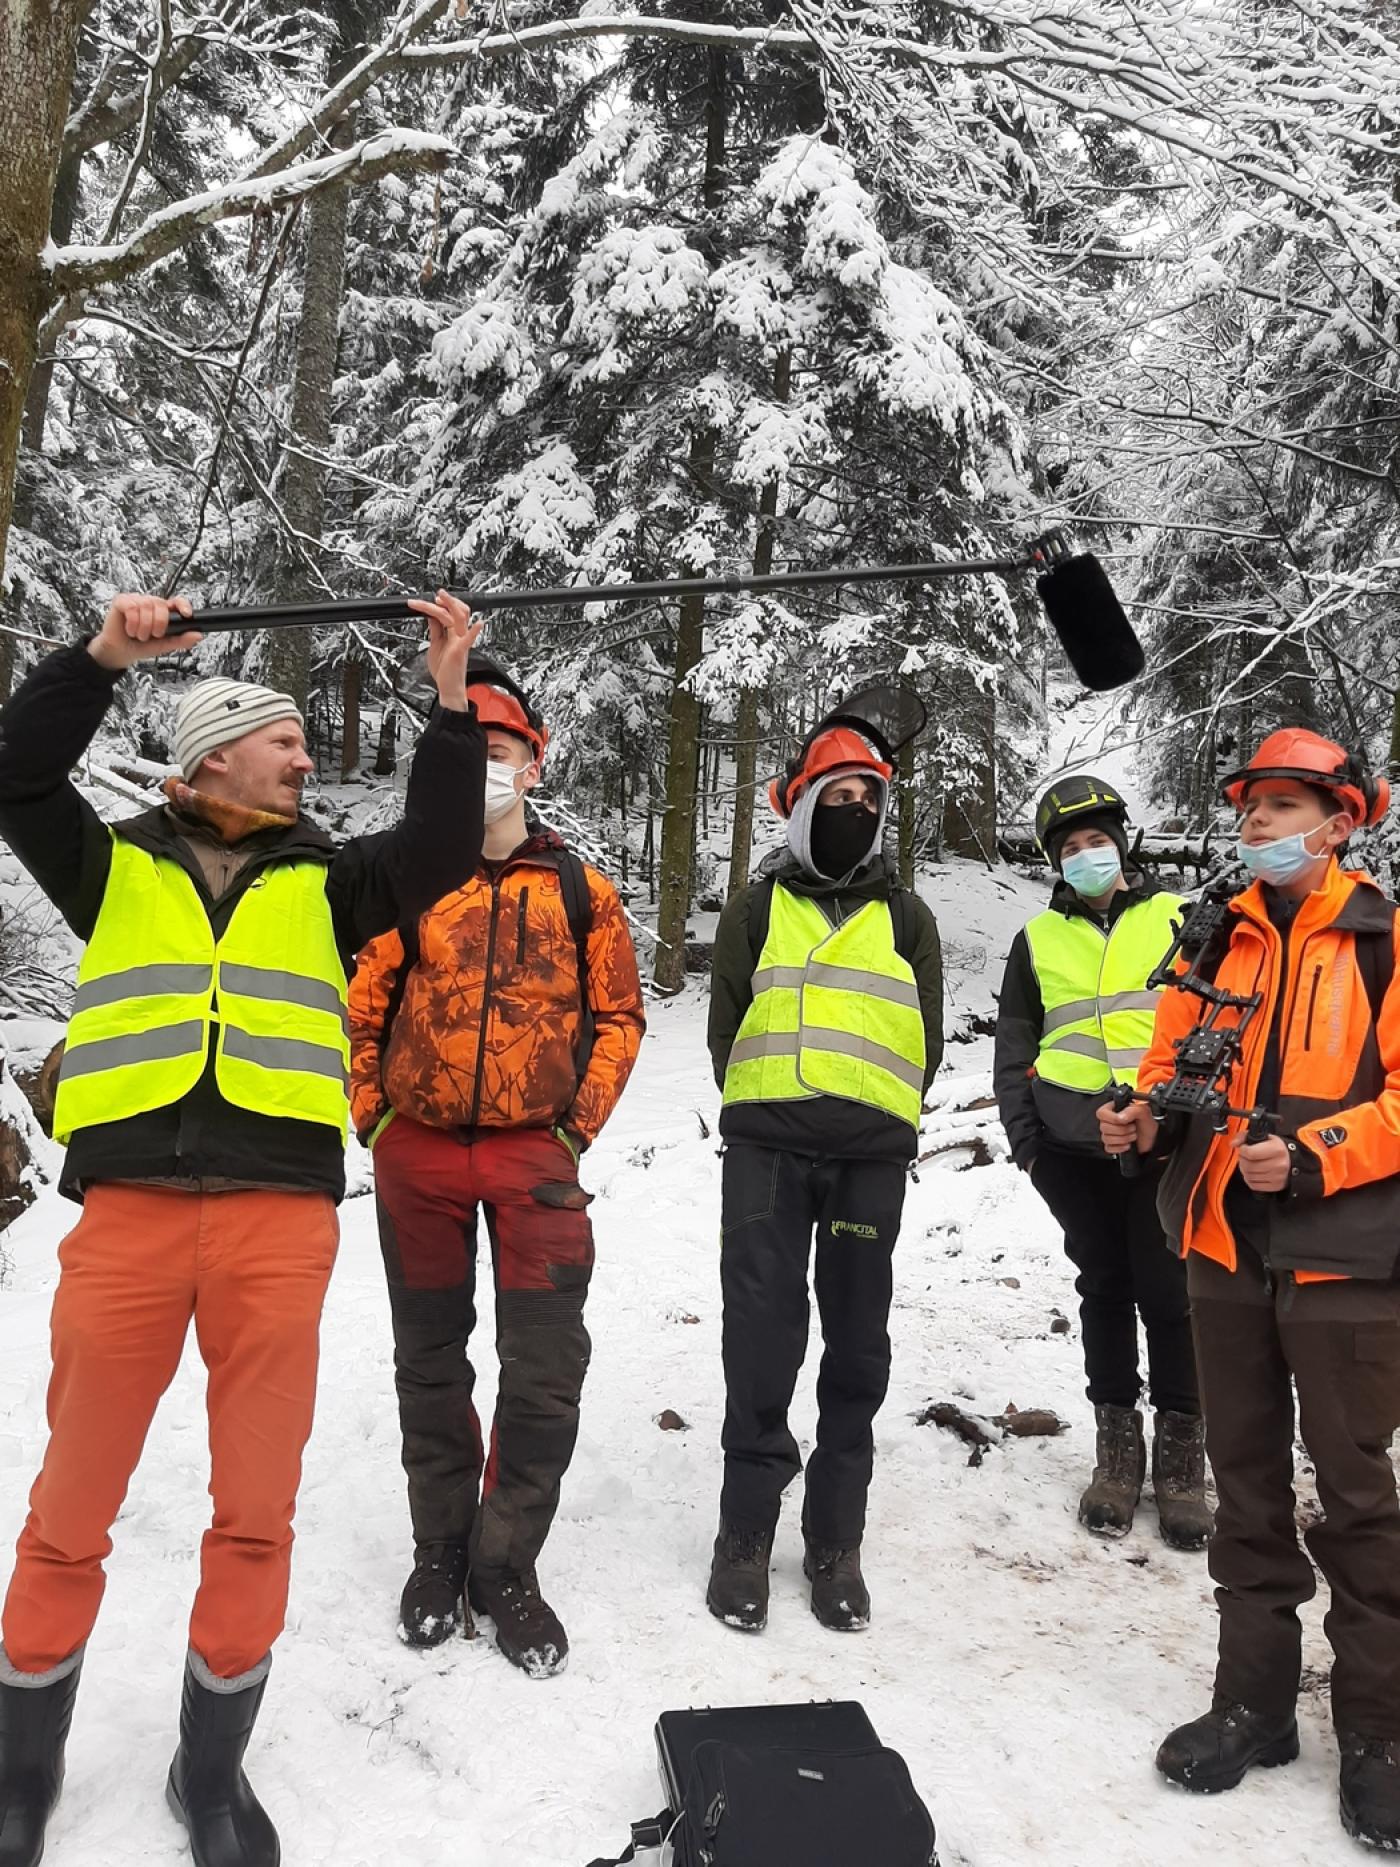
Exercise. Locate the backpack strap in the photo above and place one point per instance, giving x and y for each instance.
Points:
(408, 939)
(760, 914)
(902, 917)
(578, 906)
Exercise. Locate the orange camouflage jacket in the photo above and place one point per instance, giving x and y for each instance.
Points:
(487, 1030)
(1339, 1088)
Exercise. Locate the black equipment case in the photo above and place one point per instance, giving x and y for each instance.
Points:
(782, 1786)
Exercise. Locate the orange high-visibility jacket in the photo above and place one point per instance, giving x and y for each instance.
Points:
(1339, 1087)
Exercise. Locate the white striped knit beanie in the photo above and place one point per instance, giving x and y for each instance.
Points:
(215, 713)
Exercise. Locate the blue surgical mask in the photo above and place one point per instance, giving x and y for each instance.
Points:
(1092, 872)
(1283, 861)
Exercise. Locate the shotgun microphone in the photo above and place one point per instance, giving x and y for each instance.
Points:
(1086, 615)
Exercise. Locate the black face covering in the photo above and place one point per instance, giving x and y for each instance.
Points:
(842, 837)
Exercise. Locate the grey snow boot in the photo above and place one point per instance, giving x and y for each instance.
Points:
(738, 1590)
(207, 1790)
(1120, 1466)
(1179, 1480)
(34, 1720)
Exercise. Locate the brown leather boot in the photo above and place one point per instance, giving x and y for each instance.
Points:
(738, 1588)
(1179, 1480)
(528, 1631)
(1120, 1466)
(840, 1599)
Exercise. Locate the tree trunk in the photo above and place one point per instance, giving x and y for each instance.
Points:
(682, 763)
(746, 726)
(287, 663)
(386, 756)
(677, 863)
(38, 50)
(36, 409)
(63, 214)
(352, 683)
(970, 807)
(908, 803)
(624, 848)
(745, 766)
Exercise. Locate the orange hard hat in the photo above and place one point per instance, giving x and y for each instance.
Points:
(1307, 758)
(501, 703)
(836, 749)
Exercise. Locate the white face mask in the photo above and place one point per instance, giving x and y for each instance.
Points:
(501, 793)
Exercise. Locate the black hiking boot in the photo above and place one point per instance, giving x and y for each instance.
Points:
(528, 1631)
(1213, 1753)
(430, 1609)
(738, 1590)
(207, 1790)
(34, 1722)
(1370, 1790)
(1179, 1481)
(1120, 1465)
(840, 1599)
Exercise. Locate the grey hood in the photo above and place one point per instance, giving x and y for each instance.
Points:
(799, 824)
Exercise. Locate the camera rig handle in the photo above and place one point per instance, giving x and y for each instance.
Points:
(1129, 1164)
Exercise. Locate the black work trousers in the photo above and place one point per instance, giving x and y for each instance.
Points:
(773, 1201)
(1114, 1239)
(1338, 1344)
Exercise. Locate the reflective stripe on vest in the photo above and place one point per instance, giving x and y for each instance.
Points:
(1098, 1012)
(272, 991)
(835, 1012)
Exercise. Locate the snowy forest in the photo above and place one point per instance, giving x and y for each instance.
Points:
(361, 299)
(372, 296)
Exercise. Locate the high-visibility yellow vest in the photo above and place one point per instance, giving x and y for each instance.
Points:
(1098, 1010)
(835, 1012)
(153, 985)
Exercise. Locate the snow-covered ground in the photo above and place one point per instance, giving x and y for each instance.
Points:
(1025, 1670)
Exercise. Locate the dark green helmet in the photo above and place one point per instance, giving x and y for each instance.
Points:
(1079, 799)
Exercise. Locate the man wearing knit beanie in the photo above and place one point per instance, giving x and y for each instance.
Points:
(203, 1102)
(215, 713)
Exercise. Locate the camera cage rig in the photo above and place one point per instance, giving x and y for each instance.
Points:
(1207, 1055)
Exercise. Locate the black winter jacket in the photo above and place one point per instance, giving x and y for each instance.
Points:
(1036, 1113)
(372, 883)
(821, 1125)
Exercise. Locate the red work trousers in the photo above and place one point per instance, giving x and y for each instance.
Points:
(431, 1184)
(251, 1268)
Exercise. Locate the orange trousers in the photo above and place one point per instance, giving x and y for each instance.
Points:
(251, 1269)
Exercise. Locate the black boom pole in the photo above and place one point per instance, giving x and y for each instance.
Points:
(395, 608)
(1078, 599)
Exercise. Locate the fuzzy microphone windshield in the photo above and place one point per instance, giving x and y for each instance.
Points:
(1089, 620)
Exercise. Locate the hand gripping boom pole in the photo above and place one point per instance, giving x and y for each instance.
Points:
(1078, 599)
